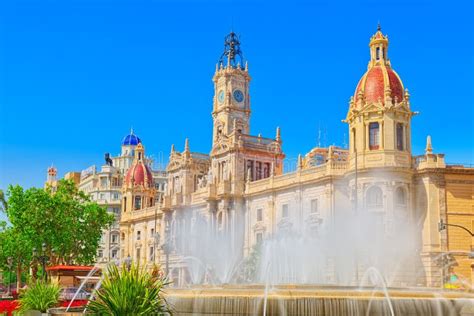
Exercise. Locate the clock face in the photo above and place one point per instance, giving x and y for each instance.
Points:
(220, 96)
(238, 95)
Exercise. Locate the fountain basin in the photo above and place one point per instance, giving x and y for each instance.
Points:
(61, 311)
(318, 300)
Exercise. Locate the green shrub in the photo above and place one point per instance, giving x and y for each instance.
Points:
(127, 292)
(39, 296)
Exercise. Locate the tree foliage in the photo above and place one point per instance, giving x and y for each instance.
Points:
(3, 201)
(66, 220)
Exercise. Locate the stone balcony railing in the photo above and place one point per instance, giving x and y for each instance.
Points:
(428, 161)
(331, 168)
(177, 199)
(256, 142)
(224, 188)
(145, 212)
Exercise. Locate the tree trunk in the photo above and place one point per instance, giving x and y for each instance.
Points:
(18, 277)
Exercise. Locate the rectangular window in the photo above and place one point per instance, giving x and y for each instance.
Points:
(102, 196)
(374, 135)
(100, 253)
(259, 215)
(249, 170)
(103, 182)
(114, 238)
(314, 206)
(400, 145)
(152, 253)
(139, 235)
(138, 202)
(258, 171)
(115, 196)
(284, 210)
(114, 253)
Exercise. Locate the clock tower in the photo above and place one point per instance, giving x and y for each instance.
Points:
(231, 105)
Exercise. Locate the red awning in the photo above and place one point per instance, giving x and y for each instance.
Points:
(70, 268)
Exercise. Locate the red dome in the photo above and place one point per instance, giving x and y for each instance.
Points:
(375, 81)
(139, 174)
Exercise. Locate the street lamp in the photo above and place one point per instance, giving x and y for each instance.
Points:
(42, 258)
(442, 226)
(156, 242)
(128, 262)
(9, 265)
(166, 247)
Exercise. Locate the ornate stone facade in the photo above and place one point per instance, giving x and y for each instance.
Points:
(240, 187)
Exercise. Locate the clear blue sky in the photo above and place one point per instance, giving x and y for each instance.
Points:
(75, 75)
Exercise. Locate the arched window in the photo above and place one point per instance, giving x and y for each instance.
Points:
(377, 53)
(400, 197)
(374, 132)
(374, 197)
(400, 145)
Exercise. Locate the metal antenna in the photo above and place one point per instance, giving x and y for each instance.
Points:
(319, 135)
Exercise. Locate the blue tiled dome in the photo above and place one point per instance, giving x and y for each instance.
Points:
(131, 140)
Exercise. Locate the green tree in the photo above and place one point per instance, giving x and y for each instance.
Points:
(66, 220)
(3, 201)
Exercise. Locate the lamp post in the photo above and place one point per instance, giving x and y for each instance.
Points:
(445, 260)
(156, 243)
(167, 248)
(9, 265)
(42, 258)
(128, 262)
(442, 226)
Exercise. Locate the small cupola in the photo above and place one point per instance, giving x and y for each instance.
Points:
(378, 48)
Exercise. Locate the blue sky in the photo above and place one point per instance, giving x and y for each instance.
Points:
(75, 75)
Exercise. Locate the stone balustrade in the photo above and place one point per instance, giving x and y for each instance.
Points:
(300, 176)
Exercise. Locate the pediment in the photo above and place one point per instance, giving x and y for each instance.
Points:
(173, 164)
(259, 227)
(220, 147)
(274, 147)
(373, 107)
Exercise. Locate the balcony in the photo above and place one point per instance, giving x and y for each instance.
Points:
(177, 199)
(224, 188)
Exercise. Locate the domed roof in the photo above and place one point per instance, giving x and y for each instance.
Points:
(377, 81)
(380, 82)
(139, 174)
(131, 140)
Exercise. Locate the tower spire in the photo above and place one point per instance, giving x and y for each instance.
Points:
(429, 147)
(232, 54)
(186, 145)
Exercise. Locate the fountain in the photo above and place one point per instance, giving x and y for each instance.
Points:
(356, 268)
